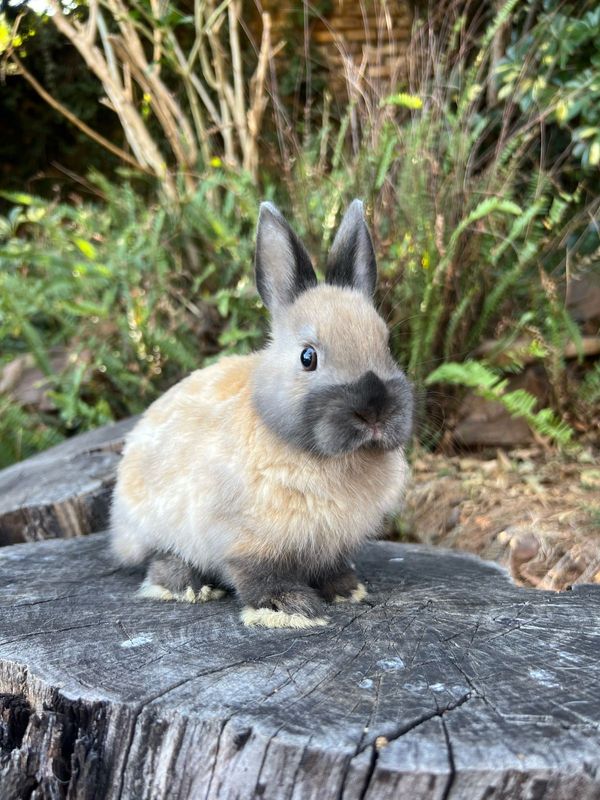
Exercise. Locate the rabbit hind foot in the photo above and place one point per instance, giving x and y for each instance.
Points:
(357, 595)
(169, 577)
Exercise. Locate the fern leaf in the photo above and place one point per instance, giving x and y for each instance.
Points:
(487, 383)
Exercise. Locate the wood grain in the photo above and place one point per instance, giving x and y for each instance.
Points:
(64, 491)
(450, 683)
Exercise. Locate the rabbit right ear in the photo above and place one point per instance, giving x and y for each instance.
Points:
(283, 267)
(352, 260)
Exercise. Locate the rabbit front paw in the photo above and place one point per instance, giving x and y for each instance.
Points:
(269, 618)
(274, 600)
(156, 591)
(284, 608)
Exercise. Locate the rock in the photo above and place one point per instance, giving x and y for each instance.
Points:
(486, 423)
(583, 297)
(25, 382)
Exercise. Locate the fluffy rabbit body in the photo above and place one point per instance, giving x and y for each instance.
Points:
(264, 473)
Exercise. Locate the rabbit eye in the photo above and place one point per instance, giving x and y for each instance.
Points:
(308, 358)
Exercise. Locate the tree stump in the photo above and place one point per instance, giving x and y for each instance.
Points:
(448, 683)
(64, 491)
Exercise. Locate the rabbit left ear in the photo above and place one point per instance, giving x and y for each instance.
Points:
(352, 262)
(283, 267)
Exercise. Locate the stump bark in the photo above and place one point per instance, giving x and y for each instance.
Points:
(64, 491)
(448, 683)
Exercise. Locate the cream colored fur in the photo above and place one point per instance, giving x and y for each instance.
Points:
(202, 476)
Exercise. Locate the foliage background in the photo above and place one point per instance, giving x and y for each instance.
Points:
(479, 167)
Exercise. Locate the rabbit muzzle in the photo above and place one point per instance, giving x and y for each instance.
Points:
(367, 413)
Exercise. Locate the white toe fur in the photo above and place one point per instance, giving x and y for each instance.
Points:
(154, 591)
(359, 593)
(188, 596)
(207, 593)
(267, 618)
(356, 595)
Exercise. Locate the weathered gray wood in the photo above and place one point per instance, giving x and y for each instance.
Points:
(64, 491)
(451, 683)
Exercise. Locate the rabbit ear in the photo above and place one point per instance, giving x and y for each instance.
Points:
(283, 267)
(352, 261)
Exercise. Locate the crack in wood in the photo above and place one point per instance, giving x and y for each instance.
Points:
(128, 748)
(15, 712)
(369, 774)
(451, 765)
(33, 634)
(439, 712)
(402, 731)
(216, 758)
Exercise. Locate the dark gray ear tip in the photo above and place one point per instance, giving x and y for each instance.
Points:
(355, 213)
(354, 216)
(267, 209)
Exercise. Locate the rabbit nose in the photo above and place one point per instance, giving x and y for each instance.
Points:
(371, 397)
(367, 415)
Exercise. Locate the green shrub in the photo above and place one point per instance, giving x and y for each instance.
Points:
(560, 56)
(110, 283)
(473, 230)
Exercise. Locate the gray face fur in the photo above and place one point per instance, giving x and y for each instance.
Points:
(367, 413)
(357, 397)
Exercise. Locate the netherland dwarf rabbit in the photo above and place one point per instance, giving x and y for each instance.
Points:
(264, 473)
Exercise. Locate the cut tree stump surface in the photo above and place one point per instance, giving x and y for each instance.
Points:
(449, 683)
(64, 491)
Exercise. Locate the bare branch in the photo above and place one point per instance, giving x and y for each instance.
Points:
(216, 101)
(171, 117)
(91, 23)
(197, 83)
(223, 89)
(107, 47)
(258, 96)
(141, 142)
(157, 36)
(74, 119)
(238, 102)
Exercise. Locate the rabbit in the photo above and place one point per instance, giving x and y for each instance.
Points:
(265, 473)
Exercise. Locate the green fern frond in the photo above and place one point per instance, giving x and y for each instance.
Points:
(590, 386)
(517, 229)
(431, 307)
(488, 383)
(457, 316)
